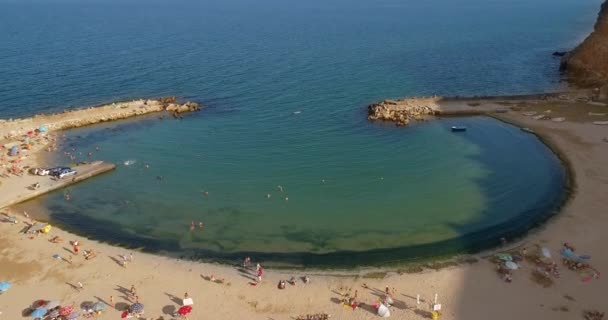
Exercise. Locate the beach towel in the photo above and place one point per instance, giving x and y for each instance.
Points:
(569, 254)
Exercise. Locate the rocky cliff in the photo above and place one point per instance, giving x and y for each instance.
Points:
(587, 64)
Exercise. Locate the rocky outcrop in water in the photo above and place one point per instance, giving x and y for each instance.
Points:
(403, 111)
(587, 64)
(179, 108)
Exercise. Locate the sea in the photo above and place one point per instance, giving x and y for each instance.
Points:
(282, 164)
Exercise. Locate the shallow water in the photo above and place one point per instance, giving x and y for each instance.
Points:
(379, 187)
(286, 85)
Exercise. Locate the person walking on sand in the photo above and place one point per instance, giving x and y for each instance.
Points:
(75, 247)
(112, 301)
(246, 262)
(388, 297)
(80, 286)
(133, 291)
(260, 273)
(131, 257)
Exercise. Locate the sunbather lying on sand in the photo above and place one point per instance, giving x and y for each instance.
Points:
(56, 239)
(89, 254)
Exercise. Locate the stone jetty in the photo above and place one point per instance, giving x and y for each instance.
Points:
(21, 187)
(404, 110)
(92, 115)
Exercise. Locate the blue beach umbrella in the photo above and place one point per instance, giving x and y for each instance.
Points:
(39, 313)
(4, 286)
(99, 306)
(137, 307)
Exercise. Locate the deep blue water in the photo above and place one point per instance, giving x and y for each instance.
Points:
(253, 64)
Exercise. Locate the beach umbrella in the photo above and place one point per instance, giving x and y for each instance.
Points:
(39, 313)
(184, 310)
(4, 286)
(383, 311)
(72, 316)
(52, 304)
(137, 307)
(511, 265)
(53, 314)
(504, 257)
(66, 310)
(99, 306)
(39, 304)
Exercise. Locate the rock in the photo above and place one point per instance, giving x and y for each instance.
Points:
(587, 64)
(186, 107)
(402, 112)
(559, 53)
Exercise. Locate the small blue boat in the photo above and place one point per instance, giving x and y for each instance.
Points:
(459, 128)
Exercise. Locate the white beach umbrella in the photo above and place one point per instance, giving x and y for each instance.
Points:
(511, 265)
(383, 311)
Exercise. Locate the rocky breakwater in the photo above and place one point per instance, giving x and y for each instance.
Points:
(170, 105)
(120, 110)
(587, 64)
(89, 116)
(403, 111)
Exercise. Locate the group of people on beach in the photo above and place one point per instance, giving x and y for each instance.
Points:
(193, 226)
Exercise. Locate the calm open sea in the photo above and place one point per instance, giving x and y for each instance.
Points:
(286, 85)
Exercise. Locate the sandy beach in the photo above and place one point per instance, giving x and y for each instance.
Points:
(467, 291)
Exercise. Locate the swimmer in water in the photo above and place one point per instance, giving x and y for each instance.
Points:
(268, 196)
(192, 226)
(280, 187)
(286, 198)
(205, 193)
(200, 225)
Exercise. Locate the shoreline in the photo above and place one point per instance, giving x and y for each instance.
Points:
(440, 112)
(451, 250)
(448, 258)
(155, 273)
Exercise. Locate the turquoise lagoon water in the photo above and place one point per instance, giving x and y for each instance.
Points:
(359, 192)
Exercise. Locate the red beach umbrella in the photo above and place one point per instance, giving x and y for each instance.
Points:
(184, 310)
(66, 310)
(39, 303)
